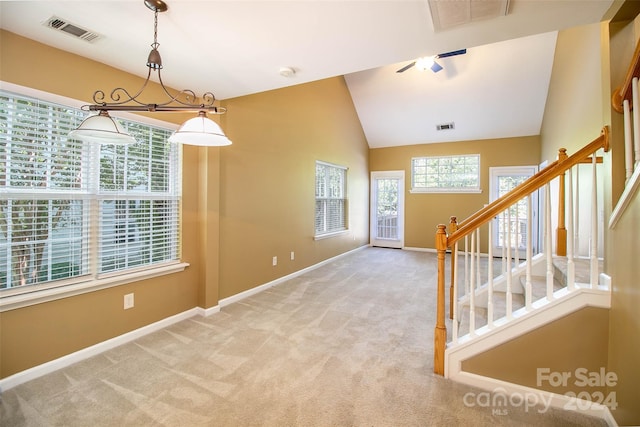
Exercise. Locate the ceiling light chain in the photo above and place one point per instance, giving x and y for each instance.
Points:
(122, 100)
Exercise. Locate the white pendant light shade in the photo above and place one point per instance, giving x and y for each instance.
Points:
(102, 129)
(202, 131)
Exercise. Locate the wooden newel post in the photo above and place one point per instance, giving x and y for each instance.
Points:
(453, 226)
(440, 333)
(561, 231)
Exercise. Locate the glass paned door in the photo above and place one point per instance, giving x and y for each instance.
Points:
(387, 209)
(510, 227)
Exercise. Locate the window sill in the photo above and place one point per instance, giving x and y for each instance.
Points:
(445, 191)
(12, 302)
(328, 235)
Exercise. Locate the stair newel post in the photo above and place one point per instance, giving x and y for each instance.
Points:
(440, 332)
(561, 231)
(453, 226)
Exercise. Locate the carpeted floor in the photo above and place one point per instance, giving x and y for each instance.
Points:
(347, 344)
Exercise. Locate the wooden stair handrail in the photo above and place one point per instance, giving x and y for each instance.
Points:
(529, 186)
(492, 204)
(624, 91)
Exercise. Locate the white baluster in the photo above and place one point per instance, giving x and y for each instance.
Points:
(516, 246)
(594, 225)
(509, 295)
(504, 243)
(548, 249)
(571, 268)
(576, 225)
(490, 277)
(466, 265)
(528, 293)
(478, 265)
(454, 331)
(472, 295)
(628, 143)
(636, 120)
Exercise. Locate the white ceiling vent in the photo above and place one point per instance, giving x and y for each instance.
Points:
(446, 14)
(445, 126)
(71, 29)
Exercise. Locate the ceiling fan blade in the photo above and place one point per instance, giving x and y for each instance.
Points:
(435, 67)
(406, 67)
(452, 53)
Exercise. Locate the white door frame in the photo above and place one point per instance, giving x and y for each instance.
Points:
(373, 237)
(494, 173)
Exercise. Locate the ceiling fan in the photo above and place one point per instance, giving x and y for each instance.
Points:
(430, 61)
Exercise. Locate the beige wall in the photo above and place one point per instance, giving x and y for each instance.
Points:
(241, 204)
(423, 212)
(573, 112)
(268, 180)
(561, 346)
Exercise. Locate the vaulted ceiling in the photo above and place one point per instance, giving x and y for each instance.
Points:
(235, 48)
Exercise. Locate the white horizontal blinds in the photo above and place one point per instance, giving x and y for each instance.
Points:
(139, 201)
(330, 215)
(446, 172)
(42, 193)
(56, 193)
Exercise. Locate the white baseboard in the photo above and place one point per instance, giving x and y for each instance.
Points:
(64, 361)
(519, 394)
(249, 292)
(206, 312)
(85, 353)
(416, 249)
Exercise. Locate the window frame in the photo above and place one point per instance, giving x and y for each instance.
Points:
(318, 235)
(17, 297)
(445, 189)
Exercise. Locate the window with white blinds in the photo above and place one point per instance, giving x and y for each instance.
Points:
(331, 199)
(71, 211)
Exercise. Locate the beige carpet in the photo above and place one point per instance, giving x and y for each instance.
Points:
(348, 344)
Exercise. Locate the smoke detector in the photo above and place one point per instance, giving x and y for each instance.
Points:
(66, 27)
(287, 72)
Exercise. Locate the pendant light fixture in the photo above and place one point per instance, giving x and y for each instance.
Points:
(200, 130)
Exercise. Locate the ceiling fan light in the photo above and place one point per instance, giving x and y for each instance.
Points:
(424, 63)
(202, 131)
(102, 129)
(435, 67)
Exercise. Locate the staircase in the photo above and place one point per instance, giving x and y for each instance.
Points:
(494, 298)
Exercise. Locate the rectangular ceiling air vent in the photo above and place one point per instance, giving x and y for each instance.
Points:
(445, 126)
(447, 14)
(73, 30)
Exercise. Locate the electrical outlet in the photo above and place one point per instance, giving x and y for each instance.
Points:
(293, 255)
(275, 261)
(128, 301)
